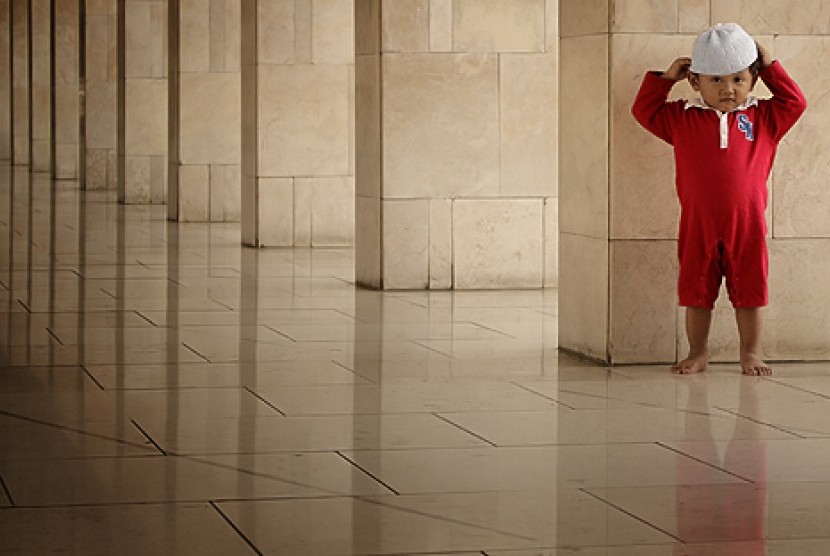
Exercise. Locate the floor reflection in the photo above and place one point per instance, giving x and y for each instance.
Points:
(165, 390)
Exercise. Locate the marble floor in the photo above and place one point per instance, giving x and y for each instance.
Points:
(165, 391)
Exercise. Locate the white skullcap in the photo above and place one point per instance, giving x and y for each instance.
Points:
(722, 50)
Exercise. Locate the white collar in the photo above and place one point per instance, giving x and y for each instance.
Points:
(698, 102)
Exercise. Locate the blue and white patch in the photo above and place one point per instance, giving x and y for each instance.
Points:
(745, 126)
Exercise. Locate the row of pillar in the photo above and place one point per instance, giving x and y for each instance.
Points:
(155, 99)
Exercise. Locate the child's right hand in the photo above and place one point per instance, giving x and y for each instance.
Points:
(678, 70)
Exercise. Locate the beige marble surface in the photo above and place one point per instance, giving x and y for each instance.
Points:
(694, 15)
(640, 16)
(499, 25)
(551, 242)
(799, 195)
(529, 124)
(303, 120)
(332, 210)
(583, 17)
(440, 244)
(796, 326)
(497, 244)
(276, 212)
(643, 199)
(194, 193)
(368, 238)
(368, 34)
(583, 157)
(100, 95)
(333, 32)
(66, 83)
(145, 38)
(405, 244)
(21, 138)
(583, 306)
(424, 159)
(5, 81)
(440, 25)
(41, 86)
(367, 125)
(210, 118)
(643, 301)
(805, 17)
(405, 26)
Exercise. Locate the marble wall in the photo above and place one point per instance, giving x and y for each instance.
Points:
(456, 143)
(5, 82)
(205, 123)
(143, 169)
(66, 85)
(101, 85)
(297, 123)
(21, 130)
(41, 86)
(619, 212)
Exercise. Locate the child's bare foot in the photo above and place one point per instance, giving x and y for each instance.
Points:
(692, 364)
(752, 365)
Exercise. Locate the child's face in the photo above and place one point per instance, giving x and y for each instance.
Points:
(724, 92)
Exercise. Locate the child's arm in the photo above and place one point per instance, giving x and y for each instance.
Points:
(788, 102)
(650, 108)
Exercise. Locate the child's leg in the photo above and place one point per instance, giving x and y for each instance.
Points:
(749, 330)
(698, 322)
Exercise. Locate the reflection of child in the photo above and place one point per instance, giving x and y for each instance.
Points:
(724, 146)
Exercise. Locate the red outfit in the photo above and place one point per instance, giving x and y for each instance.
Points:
(722, 162)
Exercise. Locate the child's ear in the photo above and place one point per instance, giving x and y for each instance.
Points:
(694, 81)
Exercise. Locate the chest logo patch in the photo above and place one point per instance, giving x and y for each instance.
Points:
(745, 126)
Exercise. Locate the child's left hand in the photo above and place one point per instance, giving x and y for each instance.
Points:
(764, 55)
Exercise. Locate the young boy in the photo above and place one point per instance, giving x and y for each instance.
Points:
(724, 146)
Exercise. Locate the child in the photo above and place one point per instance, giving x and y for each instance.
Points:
(724, 146)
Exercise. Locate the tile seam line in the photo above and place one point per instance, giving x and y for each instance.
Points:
(631, 515)
(70, 429)
(367, 472)
(148, 437)
(759, 422)
(233, 526)
(7, 491)
(554, 400)
(447, 519)
(706, 463)
(799, 388)
(468, 431)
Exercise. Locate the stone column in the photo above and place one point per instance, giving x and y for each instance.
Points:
(67, 102)
(205, 114)
(142, 164)
(456, 143)
(5, 81)
(297, 146)
(21, 124)
(41, 92)
(619, 212)
(101, 81)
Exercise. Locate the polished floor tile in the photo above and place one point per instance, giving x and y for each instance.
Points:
(401, 397)
(124, 529)
(23, 438)
(470, 470)
(50, 482)
(189, 435)
(612, 426)
(729, 512)
(164, 390)
(436, 524)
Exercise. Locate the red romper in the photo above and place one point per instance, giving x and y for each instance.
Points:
(723, 161)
